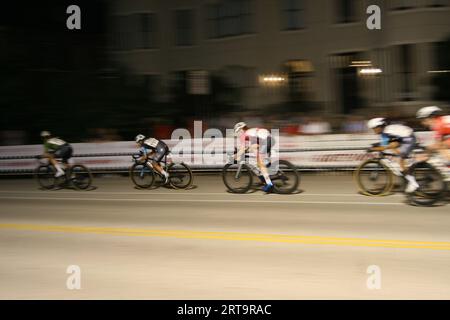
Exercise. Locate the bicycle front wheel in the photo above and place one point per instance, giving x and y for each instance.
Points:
(374, 178)
(80, 177)
(180, 175)
(287, 178)
(45, 176)
(237, 178)
(142, 176)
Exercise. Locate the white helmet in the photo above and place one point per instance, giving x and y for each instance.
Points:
(139, 137)
(429, 111)
(376, 122)
(45, 134)
(239, 126)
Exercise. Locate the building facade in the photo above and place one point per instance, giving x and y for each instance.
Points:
(309, 52)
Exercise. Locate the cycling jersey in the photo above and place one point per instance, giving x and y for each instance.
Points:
(441, 128)
(396, 133)
(59, 148)
(53, 144)
(154, 145)
(402, 134)
(261, 137)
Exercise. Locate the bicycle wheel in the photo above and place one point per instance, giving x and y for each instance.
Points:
(374, 178)
(80, 177)
(237, 181)
(432, 186)
(180, 175)
(45, 176)
(287, 178)
(142, 176)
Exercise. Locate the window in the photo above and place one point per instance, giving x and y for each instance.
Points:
(184, 28)
(402, 4)
(135, 31)
(293, 14)
(345, 11)
(146, 30)
(438, 3)
(229, 18)
(405, 71)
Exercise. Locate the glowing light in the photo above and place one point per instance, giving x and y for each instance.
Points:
(370, 71)
(272, 79)
(438, 71)
(361, 63)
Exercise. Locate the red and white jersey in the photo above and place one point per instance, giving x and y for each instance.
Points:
(254, 134)
(441, 127)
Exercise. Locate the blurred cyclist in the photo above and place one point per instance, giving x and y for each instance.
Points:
(433, 118)
(56, 148)
(155, 150)
(258, 141)
(398, 138)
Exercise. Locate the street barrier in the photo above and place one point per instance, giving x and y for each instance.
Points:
(321, 152)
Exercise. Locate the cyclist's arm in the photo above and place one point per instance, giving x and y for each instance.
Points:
(391, 145)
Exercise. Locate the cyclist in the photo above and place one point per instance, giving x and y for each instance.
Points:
(56, 148)
(154, 148)
(398, 138)
(433, 118)
(258, 141)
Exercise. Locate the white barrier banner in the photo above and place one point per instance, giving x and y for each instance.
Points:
(336, 151)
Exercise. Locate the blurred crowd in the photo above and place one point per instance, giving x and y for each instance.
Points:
(289, 125)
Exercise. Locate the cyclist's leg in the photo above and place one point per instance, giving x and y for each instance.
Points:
(404, 152)
(444, 149)
(66, 154)
(54, 162)
(261, 155)
(161, 151)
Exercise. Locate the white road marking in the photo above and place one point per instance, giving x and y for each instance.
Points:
(184, 192)
(205, 200)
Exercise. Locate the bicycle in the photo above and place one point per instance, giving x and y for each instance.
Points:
(375, 176)
(77, 176)
(238, 176)
(433, 177)
(143, 174)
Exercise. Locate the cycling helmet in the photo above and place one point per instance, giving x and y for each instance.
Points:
(45, 134)
(239, 126)
(427, 112)
(376, 122)
(139, 138)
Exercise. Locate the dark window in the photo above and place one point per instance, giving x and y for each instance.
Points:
(293, 14)
(402, 4)
(184, 27)
(146, 30)
(345, 11)
(438, 3)
(229, 18)
(406, 71)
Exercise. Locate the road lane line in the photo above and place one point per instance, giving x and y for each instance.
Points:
(185, 193)
(234, 236)
(281, 201)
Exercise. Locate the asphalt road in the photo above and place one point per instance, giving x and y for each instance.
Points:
(205, 243)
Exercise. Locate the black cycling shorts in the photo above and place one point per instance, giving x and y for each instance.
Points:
(161, 150)
(64, 152)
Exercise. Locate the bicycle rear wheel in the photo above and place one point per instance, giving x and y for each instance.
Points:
(180, 175)
(45, 176)
(432, 186)
(287, 178)
(142, 176)
(374, 178)
(237, 181)
(80, 177)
